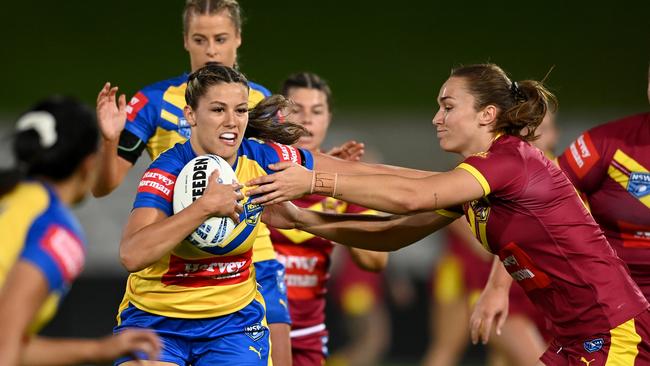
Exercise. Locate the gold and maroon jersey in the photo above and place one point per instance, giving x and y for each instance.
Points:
(306, 259)
(610, 166)
(531, 216)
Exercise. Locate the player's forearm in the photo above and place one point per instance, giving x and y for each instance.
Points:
(110, 169)
(42, 351)
(369, 260)
(144, 247)
(369, 231)
(499, 276)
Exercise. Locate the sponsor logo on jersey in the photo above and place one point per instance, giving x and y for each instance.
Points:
(252, 213)
(138, 101)
(587, 362)
(287, 153)
(522, 269)
(213, 271)
(65, 249)
(158, 182)
(639, 184)
(593, 345)
(255, 331)
(582, 155)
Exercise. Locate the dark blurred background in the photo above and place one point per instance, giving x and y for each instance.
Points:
(385, 61)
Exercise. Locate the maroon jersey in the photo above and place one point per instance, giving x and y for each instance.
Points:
(533, 219)
(306, 259)
(610, 165)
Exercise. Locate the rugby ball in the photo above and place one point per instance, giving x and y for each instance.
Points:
(190, 185)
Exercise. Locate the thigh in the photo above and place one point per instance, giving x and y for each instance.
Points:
(270, 277)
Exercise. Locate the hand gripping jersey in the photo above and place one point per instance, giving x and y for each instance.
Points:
(306, 259)
(195, 283)
(36, 227)
(155, 119)
(610, 165)
(533, 219)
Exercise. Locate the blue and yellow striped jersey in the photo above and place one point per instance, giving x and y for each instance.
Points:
(155, 113)
(190, 282)
(36, 227)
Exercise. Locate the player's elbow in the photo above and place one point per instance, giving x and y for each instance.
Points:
(407, 201)
(130, 261)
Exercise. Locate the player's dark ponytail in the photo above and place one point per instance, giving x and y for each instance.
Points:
(262, 119)
(50, 141)
(522, 105)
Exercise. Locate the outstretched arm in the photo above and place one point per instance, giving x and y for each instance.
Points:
(370, 232)
(111, 117)
(389, 193)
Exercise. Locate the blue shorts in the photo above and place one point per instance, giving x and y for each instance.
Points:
(241, 338)
(270, 276)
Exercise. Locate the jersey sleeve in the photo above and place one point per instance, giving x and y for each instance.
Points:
(451, 212)
(583, 164)
(58, 252)
(501, 172)
(273, 152)
(142, 114)
(156, 187)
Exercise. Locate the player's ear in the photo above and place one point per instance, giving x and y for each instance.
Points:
(190, 117)
(488, 115)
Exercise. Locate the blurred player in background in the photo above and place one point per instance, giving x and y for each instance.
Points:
(306, 257)
(153, 119)
(610, 167)
(461, 275)
(519, 205)
(43, 247)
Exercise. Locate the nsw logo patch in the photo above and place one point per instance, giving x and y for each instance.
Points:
(639, 184)
(255, 331)
(593, 345)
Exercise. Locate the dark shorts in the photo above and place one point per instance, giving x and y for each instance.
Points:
(241, 338)
(310, 350)
(270, 277)
(626, 345)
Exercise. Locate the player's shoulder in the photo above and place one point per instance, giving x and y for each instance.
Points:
(174, 159)
(619, 127)
(158, 88)
(259, 88)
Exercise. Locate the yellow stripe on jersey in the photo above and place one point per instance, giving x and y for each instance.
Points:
(622, 178)
(623, 347)
(18, 210)
(161, 141)
(448, 214)
(479, 177)
(176, 95)
(168, 116)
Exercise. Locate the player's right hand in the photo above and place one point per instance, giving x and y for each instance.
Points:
(111, 113)
(130, 342)
(222, 200)
(491, 309)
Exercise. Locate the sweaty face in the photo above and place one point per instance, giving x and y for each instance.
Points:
(219, 120)
(212, 38)
(310, 110)
(456, 121)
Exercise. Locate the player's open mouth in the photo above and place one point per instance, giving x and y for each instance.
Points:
(228, 137)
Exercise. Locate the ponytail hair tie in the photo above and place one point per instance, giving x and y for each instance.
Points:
(43, 123)
(517, 94)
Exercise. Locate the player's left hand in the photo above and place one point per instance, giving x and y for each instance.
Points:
(132, 342)
(491, 309)
(281, 215)
(111, 112)
(290, 182)
(350, 150)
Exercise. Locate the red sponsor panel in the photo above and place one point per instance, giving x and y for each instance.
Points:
(306, 270)
(522, 269)
(287, 153)
(138, 101)
(66, 250)
(158, 182)
(214, 271)
(582, 155)
(634, 236)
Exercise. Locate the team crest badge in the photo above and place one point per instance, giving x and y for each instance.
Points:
(255, 331)
(252, 213)
(639, 184)
(593, 345)
(481, 209)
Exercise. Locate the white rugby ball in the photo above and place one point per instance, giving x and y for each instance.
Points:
(190, 185)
